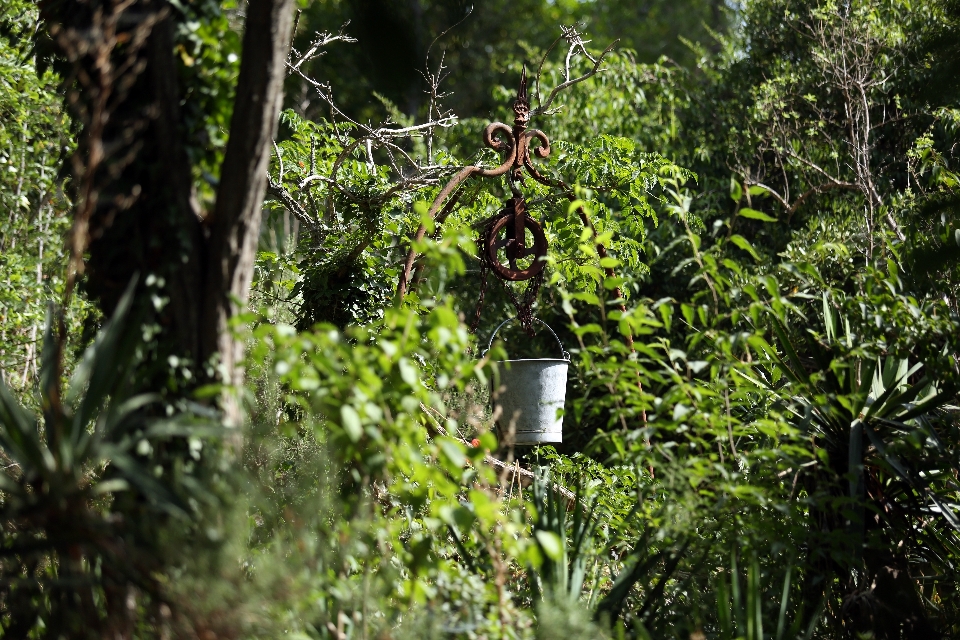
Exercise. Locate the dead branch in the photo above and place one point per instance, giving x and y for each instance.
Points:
(508, 472)
(322, 40)
(412, 174)
(290, 203)
(575, 43)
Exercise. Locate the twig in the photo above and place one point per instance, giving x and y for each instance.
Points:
(575, 42)
(322, 40)
(508, 472)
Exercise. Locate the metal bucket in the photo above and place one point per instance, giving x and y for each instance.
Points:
(530, 395)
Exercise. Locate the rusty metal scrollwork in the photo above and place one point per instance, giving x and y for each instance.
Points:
(505, 242)
(512, 244)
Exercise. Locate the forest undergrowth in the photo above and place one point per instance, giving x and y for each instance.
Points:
(753, 264)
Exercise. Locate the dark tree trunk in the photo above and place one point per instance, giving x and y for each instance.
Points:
(123, 87)
(185, 282)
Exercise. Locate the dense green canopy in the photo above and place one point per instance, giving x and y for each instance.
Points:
(245, 392)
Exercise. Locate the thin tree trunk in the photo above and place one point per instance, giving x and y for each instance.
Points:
(235, 225)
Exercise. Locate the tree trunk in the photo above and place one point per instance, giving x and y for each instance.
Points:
(184, 283)
(235, 227)
(141, 214)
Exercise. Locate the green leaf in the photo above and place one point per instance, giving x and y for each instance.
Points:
(612, 283)
(753, 214)
(784, 600)
(19, 436)
(103, 367)
(111, 486)
(742, 242)
(666, 313)
(422, 211)
(408, 372)
(551, 544)
(795, 369)
(736, 191)
(453, 451)
(754, 603)
(350, 421)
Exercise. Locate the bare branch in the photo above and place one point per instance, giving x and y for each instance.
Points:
(769, 190)
(322, 40)
(290, 203)
(569, 82)
(540, 66)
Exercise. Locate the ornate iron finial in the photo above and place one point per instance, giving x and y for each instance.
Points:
(521, 106)
(509, 247)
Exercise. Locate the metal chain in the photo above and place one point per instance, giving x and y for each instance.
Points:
(484, 270)
(524, 305)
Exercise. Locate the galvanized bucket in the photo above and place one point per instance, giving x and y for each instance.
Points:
(530, 395)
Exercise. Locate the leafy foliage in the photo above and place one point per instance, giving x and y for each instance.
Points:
(35, 138)
(67, 473)
(752, 262)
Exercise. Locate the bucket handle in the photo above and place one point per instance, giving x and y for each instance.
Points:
(566, 356)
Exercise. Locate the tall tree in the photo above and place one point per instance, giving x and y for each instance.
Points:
(131, 87)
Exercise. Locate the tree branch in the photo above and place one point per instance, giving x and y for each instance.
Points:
(573, 38)
(291, 204)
